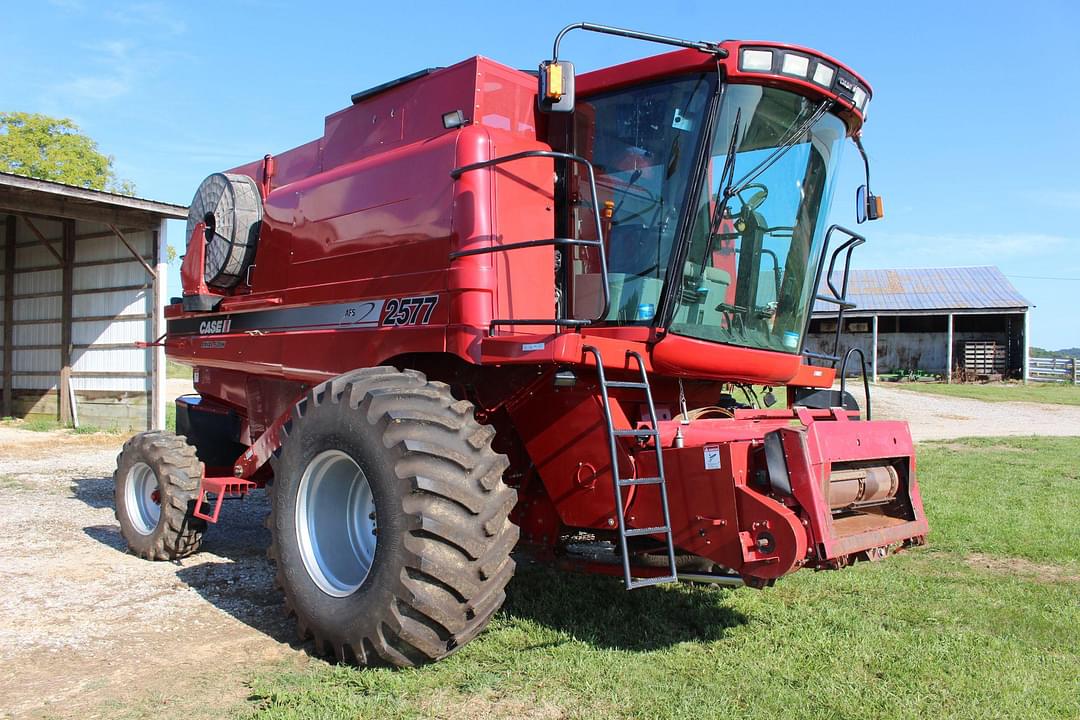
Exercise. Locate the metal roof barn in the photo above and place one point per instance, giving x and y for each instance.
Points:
(946, 320)
(929, 290)
(83, 282)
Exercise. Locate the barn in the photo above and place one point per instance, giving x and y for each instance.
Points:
(969, 320)
(84, 281)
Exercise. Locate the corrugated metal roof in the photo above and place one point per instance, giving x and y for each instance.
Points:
(74, 192)
(926, 289)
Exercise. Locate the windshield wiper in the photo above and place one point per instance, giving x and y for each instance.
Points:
(726, 175)
(792, 137)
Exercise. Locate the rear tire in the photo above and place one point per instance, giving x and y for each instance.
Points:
(157, 482)
(387, 452)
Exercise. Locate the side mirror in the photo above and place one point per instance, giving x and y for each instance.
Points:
(867, 206)
(555, 93)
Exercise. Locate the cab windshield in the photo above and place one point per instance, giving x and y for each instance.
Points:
(749, 268)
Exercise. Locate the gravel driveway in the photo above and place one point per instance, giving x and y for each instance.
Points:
(88, 631)
(936, 417)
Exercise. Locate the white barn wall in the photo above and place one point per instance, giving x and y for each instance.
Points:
(112, 309)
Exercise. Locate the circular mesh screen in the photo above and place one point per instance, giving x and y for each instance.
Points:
(231, 207)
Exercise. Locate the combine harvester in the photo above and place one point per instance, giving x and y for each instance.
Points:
(493, 309)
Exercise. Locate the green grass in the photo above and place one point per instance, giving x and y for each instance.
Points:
(1055, 393)
(1017, 497)
(176, 371)
(40, 424)
(928, 633)
(11, 482)
(43, 424)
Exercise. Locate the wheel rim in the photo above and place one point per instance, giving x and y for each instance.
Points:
(143, 498)
(335, 523)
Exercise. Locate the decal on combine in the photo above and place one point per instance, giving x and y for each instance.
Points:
(395, 312)
(410, 310)
(215, 327)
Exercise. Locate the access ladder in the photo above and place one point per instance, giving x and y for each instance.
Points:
(618, 482)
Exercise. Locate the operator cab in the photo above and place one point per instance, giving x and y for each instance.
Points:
(714, 169)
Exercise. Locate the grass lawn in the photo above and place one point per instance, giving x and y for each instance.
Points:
(984, 623)
(176, 371)
(1055, 393)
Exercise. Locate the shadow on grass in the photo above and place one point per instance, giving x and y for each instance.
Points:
(598, 610)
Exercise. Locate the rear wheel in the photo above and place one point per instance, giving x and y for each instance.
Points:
(157, 482)
(390, 521)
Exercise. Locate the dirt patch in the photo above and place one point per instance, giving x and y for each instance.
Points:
(19, 444)
(449, 705)
(1020, 566)
(937, 417)
(87, 630)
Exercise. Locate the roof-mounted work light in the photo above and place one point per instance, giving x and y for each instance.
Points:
(783, 62)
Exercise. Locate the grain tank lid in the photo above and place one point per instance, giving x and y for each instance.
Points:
(373, 91)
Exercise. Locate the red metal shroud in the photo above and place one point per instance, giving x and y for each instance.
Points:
(721, 503)
(822, 440)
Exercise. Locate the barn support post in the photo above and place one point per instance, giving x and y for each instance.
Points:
(157, 364)
(66, 391)
(9, 314)
(1027, 345)
(874, 352)
(949, 350)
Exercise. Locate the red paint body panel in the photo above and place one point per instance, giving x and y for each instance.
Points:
(683, 356)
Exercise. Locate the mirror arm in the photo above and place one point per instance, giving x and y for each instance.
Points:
(865, 159)
(703, 46)
(872, 206)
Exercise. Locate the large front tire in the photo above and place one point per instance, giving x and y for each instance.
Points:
(390, 521)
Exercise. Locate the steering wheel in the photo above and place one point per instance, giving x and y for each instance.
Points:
(755, 200)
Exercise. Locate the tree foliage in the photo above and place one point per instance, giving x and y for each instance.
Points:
(49, 148)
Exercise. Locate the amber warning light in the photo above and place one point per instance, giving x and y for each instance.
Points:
(553, 82)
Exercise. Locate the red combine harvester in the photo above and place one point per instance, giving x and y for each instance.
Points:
(492, 309)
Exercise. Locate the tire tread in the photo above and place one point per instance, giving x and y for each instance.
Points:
(459, 537)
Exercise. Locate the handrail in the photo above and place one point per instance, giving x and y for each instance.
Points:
(855, 241)
(457, 172)
(866, 382)
(839, 296)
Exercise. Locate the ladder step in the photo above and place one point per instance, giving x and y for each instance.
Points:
(644, 432)
(621, 384)
(647, 531)
(640, 481)
(646, 582)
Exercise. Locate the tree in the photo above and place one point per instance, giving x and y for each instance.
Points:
(49, 148)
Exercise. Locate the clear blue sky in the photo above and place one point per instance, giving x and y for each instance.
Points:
(973, 129)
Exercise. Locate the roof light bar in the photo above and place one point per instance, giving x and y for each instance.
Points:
(776, 61)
